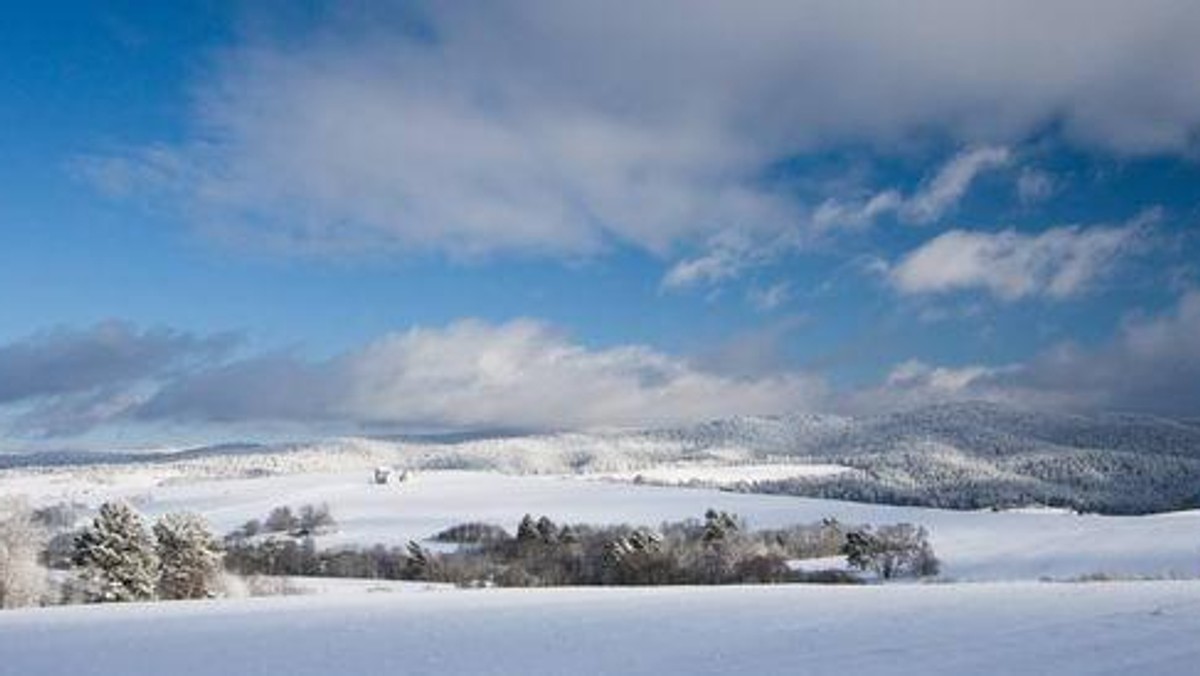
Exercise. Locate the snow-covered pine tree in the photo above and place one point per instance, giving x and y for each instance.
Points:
(116, 556)
(547, 531)
(189, 557)
(527, 530)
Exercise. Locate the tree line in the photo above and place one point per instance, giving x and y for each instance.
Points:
(717, 549)
(117, 556)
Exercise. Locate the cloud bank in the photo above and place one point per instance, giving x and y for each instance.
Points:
(470, 374)
(523, 373)
(66, 381)
(1152, 365)
(527, 374)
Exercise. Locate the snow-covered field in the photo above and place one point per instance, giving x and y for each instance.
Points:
(1145, 628)
(987, 625)
(725, 475)
(985, 545)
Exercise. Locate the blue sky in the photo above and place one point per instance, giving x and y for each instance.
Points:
(244, 220)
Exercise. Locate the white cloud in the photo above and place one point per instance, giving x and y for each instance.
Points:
(1057, 263)
(948, 186)
(838, 213)
(915, 383)
(935, 378)
(730, 253)
(471, 373)
(718, 264)
(559, 128)
(525, 373)
(726, 256)
(932, 200)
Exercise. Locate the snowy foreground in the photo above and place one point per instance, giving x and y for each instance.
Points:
(994, 628)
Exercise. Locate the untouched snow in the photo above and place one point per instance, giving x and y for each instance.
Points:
(1145, 628)
(972, 545)
(725, 475)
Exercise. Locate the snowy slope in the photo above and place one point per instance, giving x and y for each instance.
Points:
(1128, 628)
(716, 475)
(962, 455)
(958, 455)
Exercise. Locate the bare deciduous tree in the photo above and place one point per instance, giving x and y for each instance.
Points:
(22, 578)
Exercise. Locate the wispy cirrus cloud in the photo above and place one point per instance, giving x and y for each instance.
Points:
(951, 182)
(930, 202)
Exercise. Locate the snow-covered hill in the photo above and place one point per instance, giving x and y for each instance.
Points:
(962, 456)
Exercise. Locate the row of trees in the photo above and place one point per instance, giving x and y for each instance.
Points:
(118, 559)
(305, 521)
(115, 558)
(717, 549)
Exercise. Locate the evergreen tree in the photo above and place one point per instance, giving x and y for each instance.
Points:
(547, 531)
(189, 557)
(527, 530)
(417, 564)
(567, 535)
(860, 549)
(116, 556)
